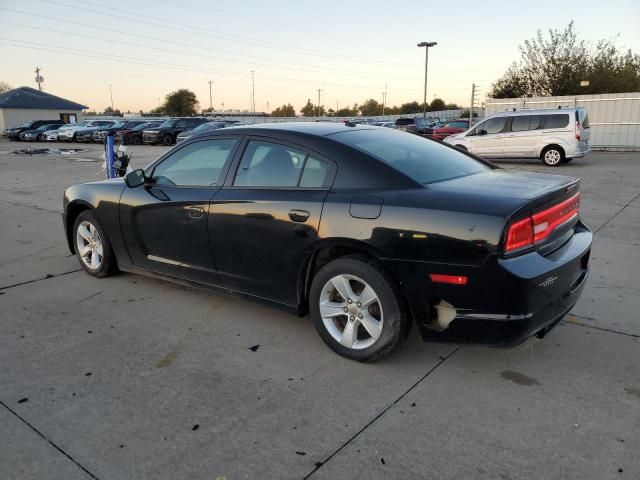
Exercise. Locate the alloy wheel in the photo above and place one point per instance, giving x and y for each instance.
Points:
(552, 157)
(89, 245)
(351, 311)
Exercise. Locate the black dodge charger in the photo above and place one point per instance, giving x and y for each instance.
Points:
(368, 229)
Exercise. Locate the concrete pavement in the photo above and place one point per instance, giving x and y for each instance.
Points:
(130, 378)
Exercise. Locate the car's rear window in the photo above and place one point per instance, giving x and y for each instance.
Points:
(423, 160)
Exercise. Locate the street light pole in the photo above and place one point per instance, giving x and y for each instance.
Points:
(210, 97)
(426, 65)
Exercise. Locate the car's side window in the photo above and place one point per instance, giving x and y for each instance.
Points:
(198, 164)
(314, 174)
(266, 164)
(556, 121)
(181, 124)
(523, 123)
(493, 125)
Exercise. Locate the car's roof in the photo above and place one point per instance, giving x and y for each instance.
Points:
(538, 111)
(320, 129)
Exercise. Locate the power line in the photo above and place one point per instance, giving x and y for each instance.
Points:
(192, 68)
(349, 73)
(220, 35)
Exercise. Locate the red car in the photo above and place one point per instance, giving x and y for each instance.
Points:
(449, 128)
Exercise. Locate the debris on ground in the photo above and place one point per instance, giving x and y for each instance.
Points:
(47, 151)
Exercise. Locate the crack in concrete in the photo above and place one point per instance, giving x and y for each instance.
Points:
(319, 465)
(42, 435)
(46, 277)
(571, 321)
(616, 214)
(57, 212)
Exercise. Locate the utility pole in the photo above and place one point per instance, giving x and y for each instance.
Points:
(39, 78)
(253, 92)
(210, 97)
(427, 45)
(384, 98)
(473, 99)
(111, 96)
(268, 110)
(318, 106)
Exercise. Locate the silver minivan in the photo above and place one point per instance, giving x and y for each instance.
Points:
(555, 136)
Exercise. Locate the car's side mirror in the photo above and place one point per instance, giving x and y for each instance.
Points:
(135, 178)
(482, 132)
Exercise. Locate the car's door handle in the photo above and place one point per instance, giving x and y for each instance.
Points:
(195, 212)
(299, 215)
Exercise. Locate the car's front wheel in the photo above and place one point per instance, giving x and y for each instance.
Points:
(357, 308)
(167, 140)
(92, 246)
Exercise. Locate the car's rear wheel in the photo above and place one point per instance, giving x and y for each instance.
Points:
(136, 140)
(92, 246)
(357, 308)
(552, 156)
(167, 140)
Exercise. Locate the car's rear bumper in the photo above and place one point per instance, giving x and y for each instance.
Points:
(580, 149)
(506, 300)
(151, 138)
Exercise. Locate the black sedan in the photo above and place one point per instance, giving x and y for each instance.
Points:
(368, 228)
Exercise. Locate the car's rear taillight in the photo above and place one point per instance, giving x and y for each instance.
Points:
(520, 235)
(546, 221)
(539, 226)
(578, 131)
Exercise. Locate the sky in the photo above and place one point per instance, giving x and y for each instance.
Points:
(349, 50)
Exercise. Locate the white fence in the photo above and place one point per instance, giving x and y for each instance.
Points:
(443, 115)
(614, 117)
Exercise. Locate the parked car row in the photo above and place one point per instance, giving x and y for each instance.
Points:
(165, 132)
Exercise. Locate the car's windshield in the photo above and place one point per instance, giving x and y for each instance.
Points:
(27, 123)
(423, 160)
(117, 125)
(206, 126)
(81, 124)
(168, 124)
(142, 126)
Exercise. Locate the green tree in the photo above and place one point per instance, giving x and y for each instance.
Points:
(180, 103)
(612, 71)
(556, 64)
(308, 110)
(451, 106)
(437, 105)
(284, 111)
(411, 107)
(346, 112)
(512, 84)
(331, 112)
(4, 87)
(370, 108)
(111, 111)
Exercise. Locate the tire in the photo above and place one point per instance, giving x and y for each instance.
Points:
(380, 324)
(99, 260)
(167, 140)
(136, 140)
(40, 138)
(552, 156)
(74, 138)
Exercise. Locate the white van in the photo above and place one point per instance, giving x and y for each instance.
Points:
(554, 136)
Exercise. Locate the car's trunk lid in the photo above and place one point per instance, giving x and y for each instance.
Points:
(521, 195)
